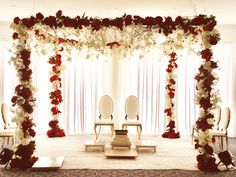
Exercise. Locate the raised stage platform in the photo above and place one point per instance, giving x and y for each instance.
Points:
(173, 157)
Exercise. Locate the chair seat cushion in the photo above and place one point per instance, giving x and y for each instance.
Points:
(132, 123)
(217, 133)
(104, 122)
(7, 132)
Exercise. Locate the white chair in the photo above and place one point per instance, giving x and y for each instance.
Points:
(132, 111)
(217, 117)
(222, 132)
(105, 118)
(9, 130)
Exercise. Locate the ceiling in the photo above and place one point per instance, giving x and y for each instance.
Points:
(224, 11)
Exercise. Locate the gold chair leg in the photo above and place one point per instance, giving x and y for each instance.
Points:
(8, 140)
(139, 129)
(222, 143)
(227, 141)
(112, 130)
(95, 130)
(123, 127)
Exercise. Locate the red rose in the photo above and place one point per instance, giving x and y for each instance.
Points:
(210, 26)
(106, 22)
(26, 62)
(213, 40)
(206, 54)
(25, 74)
(39, 16)
(53, 78)
(26, 124)
(178, 20)
(16, 20)
(172, 81)
(25, 54)
(14, 99)
(58, 56)
(27, 107)
(55, 102)
(55, 111)
(168, 21)
(205, 103)
(171, 94)
(53, 124)
(15, 35)
(59, 13)
(128, 20)
(32, 132)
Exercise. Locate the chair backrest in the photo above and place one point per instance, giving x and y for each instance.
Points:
(5, 114)
(225, 119)
(132, 107)
(217, 117)
(106, 107)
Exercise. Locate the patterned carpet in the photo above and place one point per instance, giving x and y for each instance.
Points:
(174, 157)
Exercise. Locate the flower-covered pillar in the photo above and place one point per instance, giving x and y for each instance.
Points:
(23, 100)
(207, 98)
(170, 95)
(56, 94)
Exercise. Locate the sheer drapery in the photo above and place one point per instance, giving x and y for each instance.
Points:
(85, 81)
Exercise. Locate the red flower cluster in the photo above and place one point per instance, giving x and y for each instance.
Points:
(167, 24)
(206, 54)
(27, 125)
(170, 132)
(206, 161)
(24, 158)
(56, 95)
(55, 131)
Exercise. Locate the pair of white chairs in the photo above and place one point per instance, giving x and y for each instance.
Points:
(8, 130)
(106, 108)
(221, 124)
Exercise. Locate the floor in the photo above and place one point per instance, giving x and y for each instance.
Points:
(174, 157)
(170, 154)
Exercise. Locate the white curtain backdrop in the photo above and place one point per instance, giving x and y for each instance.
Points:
(85, 81)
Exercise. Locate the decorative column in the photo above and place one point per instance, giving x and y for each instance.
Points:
(207, 98)
(170, 95)
(55, 94)
(23, 101)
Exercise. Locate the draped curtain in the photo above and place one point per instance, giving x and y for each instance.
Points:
(85, 81)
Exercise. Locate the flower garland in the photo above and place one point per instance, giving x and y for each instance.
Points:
(23, 102)
(170, 94)
(55, 96)
(207, 98)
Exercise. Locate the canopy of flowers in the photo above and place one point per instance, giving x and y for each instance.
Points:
(60, 34)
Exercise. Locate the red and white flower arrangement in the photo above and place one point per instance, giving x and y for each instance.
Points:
(207, 98)
(170, 95)
(55, 96)
(23, 102)
(134, 33)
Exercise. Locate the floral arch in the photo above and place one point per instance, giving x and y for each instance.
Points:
(59, 35)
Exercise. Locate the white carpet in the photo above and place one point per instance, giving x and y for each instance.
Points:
(170, 154)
